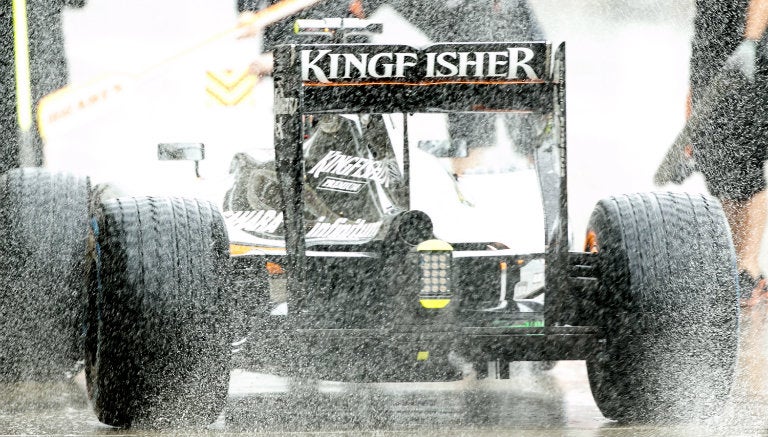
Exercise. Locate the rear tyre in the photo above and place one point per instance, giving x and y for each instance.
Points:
(43, 234)
(668, 306)
(158, 346)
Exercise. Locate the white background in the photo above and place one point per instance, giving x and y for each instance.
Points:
(627, 71)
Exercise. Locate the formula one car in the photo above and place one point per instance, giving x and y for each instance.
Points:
(326, 268)
(369, 291)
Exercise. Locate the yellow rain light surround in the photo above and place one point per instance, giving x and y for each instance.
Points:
(434, 304)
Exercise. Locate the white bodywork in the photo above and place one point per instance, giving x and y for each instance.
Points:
(109, 130)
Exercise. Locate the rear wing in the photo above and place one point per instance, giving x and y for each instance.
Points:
(441, 78)
(449, 77)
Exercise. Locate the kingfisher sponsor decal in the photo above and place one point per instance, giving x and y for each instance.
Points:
(339, 164)
(343, 229)
(269, 222)
(263, 221)
(342, 185)
(458, 62)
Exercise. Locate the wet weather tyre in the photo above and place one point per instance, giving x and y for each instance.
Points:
(667, 305)
(158, 346)
(43, 234)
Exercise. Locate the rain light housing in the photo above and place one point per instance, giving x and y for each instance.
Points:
(435, 265)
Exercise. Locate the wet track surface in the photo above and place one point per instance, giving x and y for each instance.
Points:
(530, 403)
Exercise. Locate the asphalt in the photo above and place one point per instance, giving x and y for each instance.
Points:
(530, 403)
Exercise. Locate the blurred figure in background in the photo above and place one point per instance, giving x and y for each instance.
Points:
(732, 151)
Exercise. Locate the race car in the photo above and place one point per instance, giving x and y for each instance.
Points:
(370, 289)
(323, 265)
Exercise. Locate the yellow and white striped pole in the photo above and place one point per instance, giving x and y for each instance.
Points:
(23, 81)
(21, 62)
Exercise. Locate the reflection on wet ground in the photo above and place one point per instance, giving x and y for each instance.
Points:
(530, 400)
(530, 403)
(527, 400)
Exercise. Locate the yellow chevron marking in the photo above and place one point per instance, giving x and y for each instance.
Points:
(230, 87)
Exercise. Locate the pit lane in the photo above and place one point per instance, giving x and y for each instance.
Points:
(530, 403)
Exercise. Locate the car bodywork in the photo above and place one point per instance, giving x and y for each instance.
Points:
(386, 284)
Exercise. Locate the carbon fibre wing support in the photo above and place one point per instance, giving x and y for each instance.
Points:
(441, 78)
(558, 296)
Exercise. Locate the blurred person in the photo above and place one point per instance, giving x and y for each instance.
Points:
(731, 152)
(33, 65)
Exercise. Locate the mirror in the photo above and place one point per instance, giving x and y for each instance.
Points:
(445, 148)
(181, 151)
